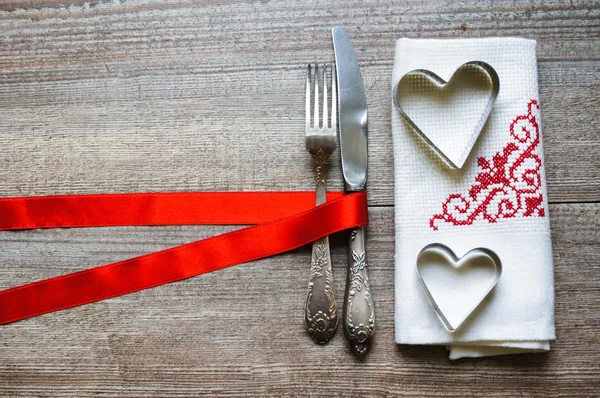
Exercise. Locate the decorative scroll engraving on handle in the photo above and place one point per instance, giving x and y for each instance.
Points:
(321, 160)
(322, 324)
(359, 311)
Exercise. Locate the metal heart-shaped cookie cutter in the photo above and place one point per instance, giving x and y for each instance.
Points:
(453, 161)
(454, 285)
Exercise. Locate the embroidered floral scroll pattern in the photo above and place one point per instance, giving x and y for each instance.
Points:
(508, 184)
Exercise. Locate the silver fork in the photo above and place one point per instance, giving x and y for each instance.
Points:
(321, 313)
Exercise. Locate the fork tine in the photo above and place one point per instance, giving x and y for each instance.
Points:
(333, 99)
(325, 115)
(316, 77)
(308, 97)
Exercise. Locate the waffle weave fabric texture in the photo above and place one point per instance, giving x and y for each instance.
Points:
(497, 200)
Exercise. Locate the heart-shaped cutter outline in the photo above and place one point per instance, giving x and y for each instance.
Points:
(457, 262)
(440, 83)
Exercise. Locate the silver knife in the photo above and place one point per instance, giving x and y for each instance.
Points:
(359, 312)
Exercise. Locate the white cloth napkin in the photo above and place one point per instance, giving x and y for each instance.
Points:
(505, 171)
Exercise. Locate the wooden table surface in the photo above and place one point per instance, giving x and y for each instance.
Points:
(128, 96)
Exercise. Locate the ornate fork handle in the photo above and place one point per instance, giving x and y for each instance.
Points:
(321, 311)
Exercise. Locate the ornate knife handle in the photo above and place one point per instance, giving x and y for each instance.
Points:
(359, 312)
(320, 316)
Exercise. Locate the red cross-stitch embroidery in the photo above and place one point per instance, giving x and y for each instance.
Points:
(509, 182)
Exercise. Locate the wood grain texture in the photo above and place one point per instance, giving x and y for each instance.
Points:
(126, 96)
(203, 335)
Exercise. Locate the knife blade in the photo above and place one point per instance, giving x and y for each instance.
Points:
(359, 311)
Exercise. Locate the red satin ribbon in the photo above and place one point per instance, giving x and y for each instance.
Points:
(296, 224)
(136, 209)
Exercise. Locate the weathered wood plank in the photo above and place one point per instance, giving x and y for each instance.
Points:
(239, 331)
(241, 130)
(181, 36)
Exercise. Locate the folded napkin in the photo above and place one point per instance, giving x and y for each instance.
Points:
(497, 200)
